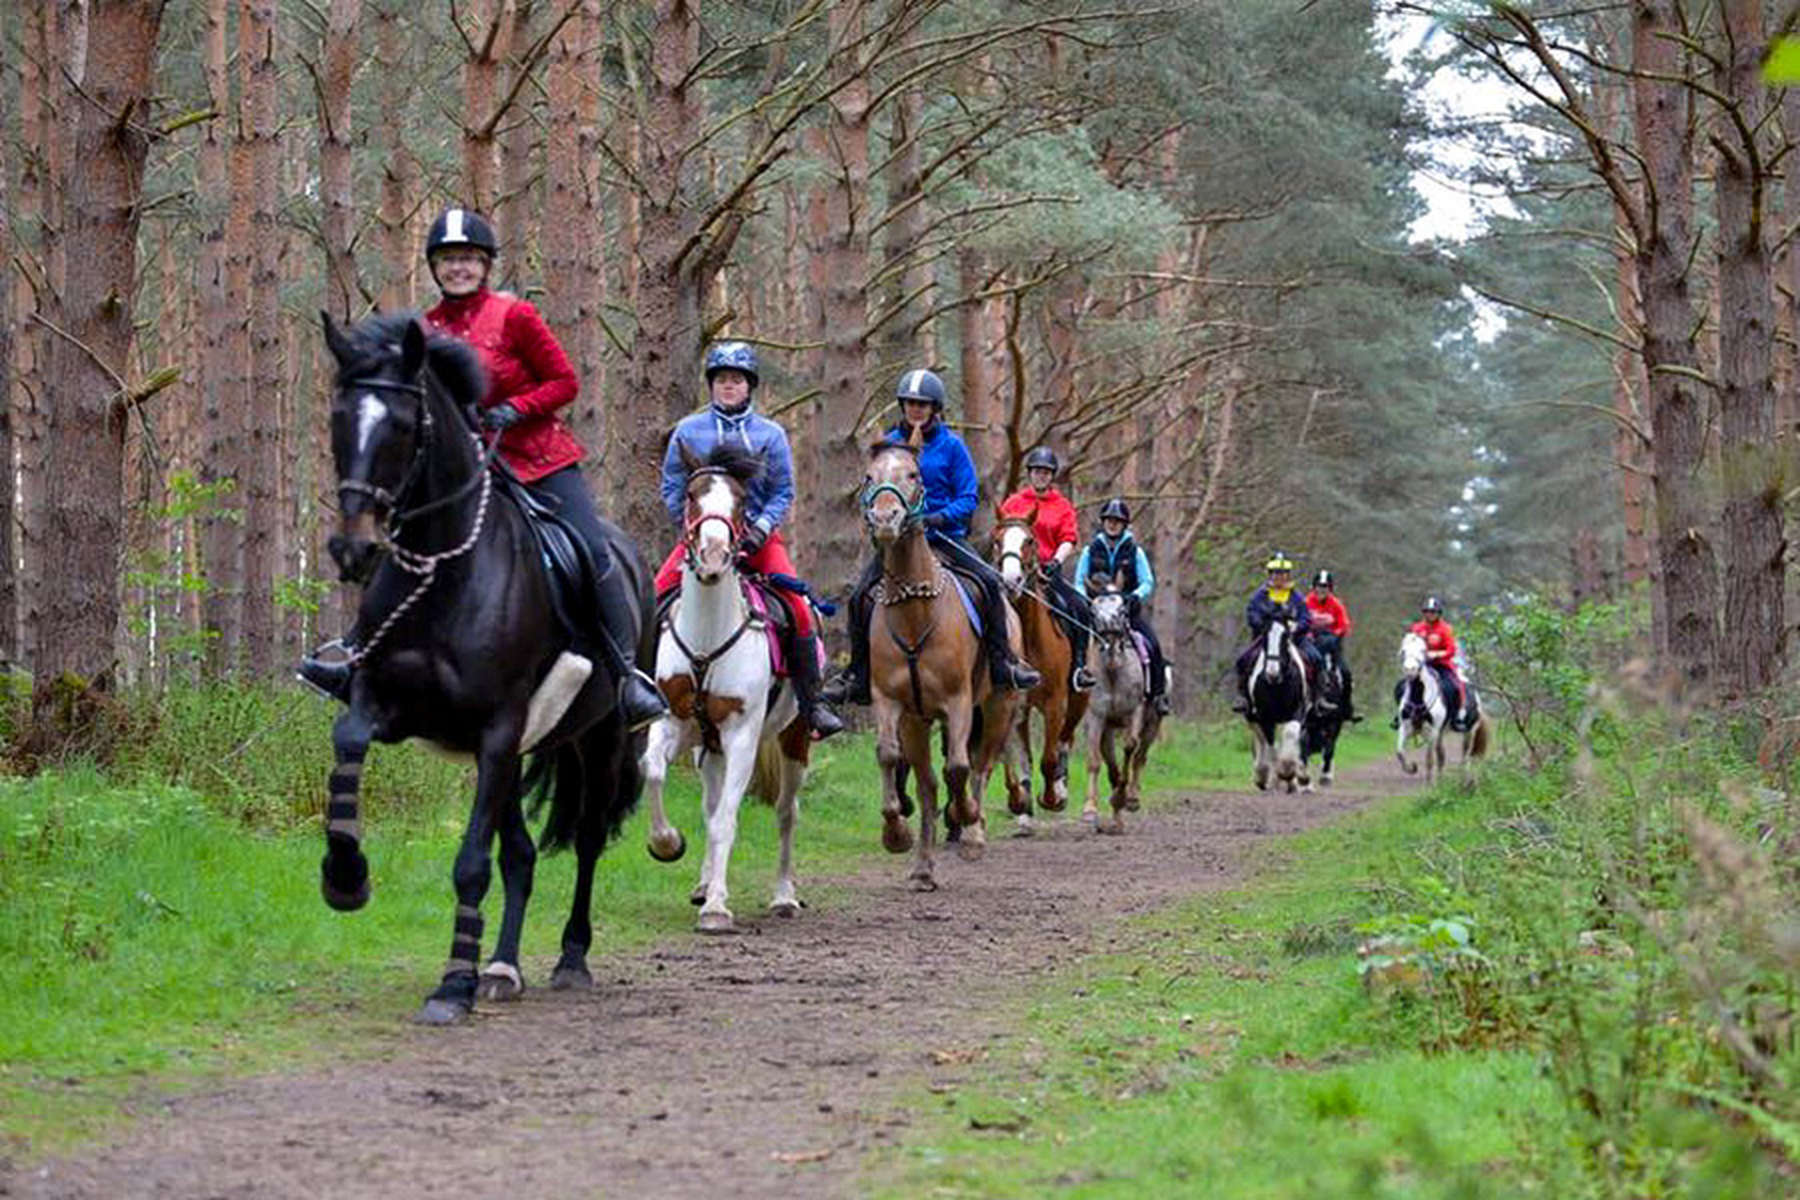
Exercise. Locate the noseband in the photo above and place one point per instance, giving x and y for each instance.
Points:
(915, 508)
(733, 525)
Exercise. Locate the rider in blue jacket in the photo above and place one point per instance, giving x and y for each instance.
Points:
(952, 490)
(1276, 598)
(1115, 555)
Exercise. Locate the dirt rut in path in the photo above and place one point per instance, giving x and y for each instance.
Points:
(764, 1064)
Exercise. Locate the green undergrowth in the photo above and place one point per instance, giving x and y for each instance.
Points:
(1573, 977)
(162, 921)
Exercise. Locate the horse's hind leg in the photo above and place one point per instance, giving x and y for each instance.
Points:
(496, 781)
(666, 740)
(1090, 808)
(1016, 762)
(896, 838)
(344, 872)
(1054, 798)
(611, 781)
(962, 804)
(794, 750)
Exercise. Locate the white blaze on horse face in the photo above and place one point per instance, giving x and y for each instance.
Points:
(715, 517)
(1013, 547)
(1412, 654)
(1272, 655)
(370, 413)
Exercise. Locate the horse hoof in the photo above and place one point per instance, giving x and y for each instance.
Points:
(1023, 827)
(1325, 779)
(1051, 802)
(1113, 828)
(662, 850)
(1090, 816)
(442, 1012)
(571, 979)
(716, 922)
(344, 901)
(971, 849)
(500, 982)
(896, 838)
(922, 883)
(1018, 805)
(784, 908)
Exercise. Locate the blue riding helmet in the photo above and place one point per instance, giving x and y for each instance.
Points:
(922, 385)
(732, 356)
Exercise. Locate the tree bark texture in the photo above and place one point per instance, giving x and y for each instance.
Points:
(221, 547)
(337, 192)
(89, 361)
(487, 27)
(1755, 552)
(571, 240)
(263, 402)
(9, 575)
(1678, 408)
(399, 172)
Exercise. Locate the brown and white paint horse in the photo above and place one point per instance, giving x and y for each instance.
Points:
(712, 663)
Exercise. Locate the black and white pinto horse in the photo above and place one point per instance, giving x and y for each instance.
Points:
(1425, 713)
(1278, 704)
(1324, 722)
(460, 644)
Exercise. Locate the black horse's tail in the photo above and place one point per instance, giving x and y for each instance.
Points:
(590, 784)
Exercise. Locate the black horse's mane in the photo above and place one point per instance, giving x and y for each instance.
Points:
(452, 362)
(739, 462)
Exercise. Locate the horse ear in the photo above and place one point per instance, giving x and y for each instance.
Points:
(412, 349)
(335, 341)
(690, 461)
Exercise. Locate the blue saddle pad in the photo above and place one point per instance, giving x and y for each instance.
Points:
(968, 602)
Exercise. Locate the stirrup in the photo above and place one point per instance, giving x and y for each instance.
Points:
(1082, 679)
(649, 705)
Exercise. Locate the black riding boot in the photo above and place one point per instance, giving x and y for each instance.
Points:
(640, 700)
(851, 685)
(327, 670)
(1004, 668)
(803, 672)
(1081, 678)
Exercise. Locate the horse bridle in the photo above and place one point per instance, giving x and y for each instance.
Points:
(733, 526)
(391, 500)
(915, 508)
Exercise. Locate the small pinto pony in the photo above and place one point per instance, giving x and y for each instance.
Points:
(463, 644)
(1424, 712)
(726, 703)
(926, 668)
(1278, 704)
(1119, 708)
(1015, 553)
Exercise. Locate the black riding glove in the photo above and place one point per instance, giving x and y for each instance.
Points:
(936, 521)
(752, 541)
(500, 417)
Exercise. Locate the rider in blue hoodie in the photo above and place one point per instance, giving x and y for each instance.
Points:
(952, 490)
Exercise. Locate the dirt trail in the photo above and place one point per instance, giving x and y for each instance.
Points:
(759, 1065)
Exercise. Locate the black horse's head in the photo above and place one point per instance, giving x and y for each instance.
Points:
(381, 422)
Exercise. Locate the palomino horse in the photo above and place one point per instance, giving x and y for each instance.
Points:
(1119, 707)
(1425, 713)
(712, 662)
(461, 644)
(1278, 704)
(926, 667)
(1047, 648)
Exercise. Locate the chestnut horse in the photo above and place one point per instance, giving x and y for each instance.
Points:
(926, 667)
(1047, 648)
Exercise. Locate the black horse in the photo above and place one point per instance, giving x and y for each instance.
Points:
(1278, 704)
(457, 631)
(1325, 721)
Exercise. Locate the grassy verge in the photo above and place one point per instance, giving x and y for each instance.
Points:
(163, 923)
(1232, 1051)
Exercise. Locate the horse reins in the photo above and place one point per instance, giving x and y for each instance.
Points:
(423, 565)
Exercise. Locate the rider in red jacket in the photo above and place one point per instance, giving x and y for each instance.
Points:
(529, 379)
(1330, 626)
(1058, 535)
(1442, 655)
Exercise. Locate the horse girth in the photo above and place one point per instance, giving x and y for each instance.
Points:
(912, 652)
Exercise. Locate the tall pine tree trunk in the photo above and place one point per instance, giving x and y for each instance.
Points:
(221, 549)
(89, 367)
(262, 403)
(1678, 410)
(399, 173)
(1755, 553)
(573, 279)
(337, 73)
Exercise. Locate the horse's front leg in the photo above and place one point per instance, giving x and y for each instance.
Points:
(1056, 710)
(795, 749)
(1400, 748)
(915, 742)
(668, 737)
(496, 778)
(962, 804)
(1016, 762)
(728, 777)
(896, 836)
(500, 979)
(1259, 772)
(1090, 808)
(344, 872)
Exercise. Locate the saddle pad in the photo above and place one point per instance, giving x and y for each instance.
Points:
(1142, 645)
(764, 610)
(969, 606)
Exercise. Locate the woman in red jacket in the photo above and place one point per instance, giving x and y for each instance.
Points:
(529, 380)
(1058, 534)
(1330, 626)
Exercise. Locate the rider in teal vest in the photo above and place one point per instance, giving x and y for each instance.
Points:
(1115, 556)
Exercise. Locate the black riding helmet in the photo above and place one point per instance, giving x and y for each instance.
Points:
(1117, 508)
(1432, 605)
(1042, 456)
(1322, 578)
(461, 227)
